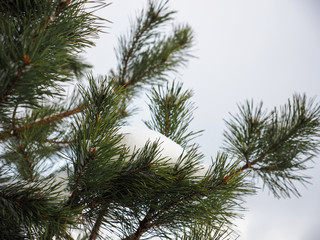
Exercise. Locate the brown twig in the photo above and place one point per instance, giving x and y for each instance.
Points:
(144, 225)
(96, 227)
(167, 125)
(47, 120)
(14, 118)
(55, 117)
(68, 236)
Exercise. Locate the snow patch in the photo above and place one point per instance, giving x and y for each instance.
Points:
(136, 138)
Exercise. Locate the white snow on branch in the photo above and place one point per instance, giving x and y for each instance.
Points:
(136, 138)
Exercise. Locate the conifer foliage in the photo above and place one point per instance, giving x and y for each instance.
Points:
(64, 172)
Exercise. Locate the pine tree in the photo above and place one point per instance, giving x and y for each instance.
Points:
(64, 170)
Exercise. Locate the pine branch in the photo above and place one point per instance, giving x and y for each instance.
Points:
(171, 110)
(149, 221)
(273, 148)
(95, 142)
(27, 61)
(42, 31)
(277, 145)
(221, 184)
(145, 57)
(132, 48)
(34, 209)
(165, 55)
(142, 32)
(134, 194)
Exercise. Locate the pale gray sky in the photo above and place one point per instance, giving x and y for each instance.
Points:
(246, 49)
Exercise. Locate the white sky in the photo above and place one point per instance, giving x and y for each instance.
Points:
(246, 49)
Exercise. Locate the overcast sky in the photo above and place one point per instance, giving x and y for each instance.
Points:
(265, 50)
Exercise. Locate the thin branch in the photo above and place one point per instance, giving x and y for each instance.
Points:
(57, 142)
(96, 227)
(48, 120)
(54, 118)
(167, 125)
(134, 81)
(144, 226)
(68, 236)
(80, 175)
(14, 117)
(29, 162)
(13, 84)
